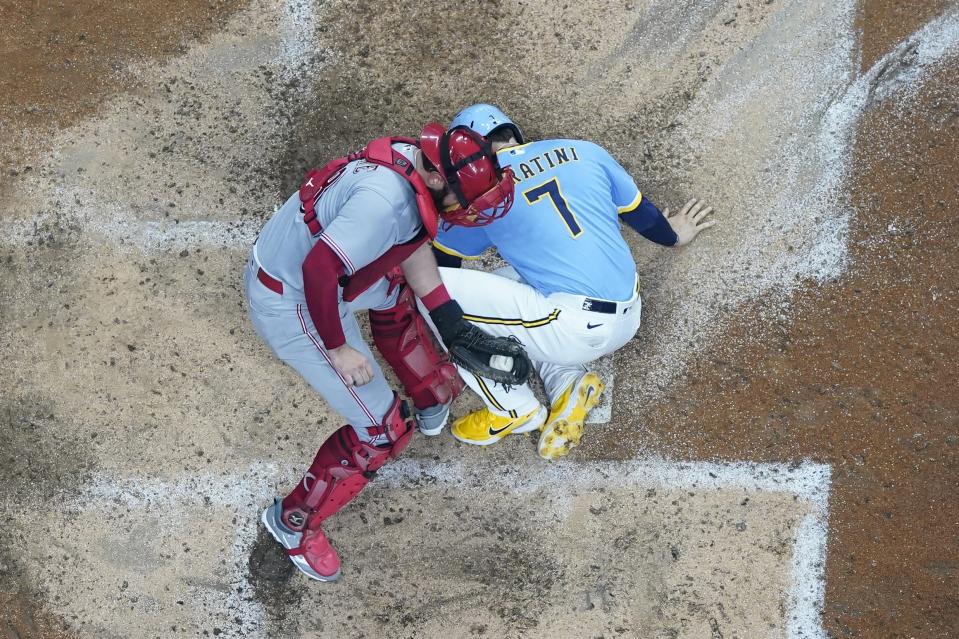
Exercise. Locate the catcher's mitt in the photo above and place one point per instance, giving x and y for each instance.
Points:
(473, 349)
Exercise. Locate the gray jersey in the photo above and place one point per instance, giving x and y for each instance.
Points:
(367, 210)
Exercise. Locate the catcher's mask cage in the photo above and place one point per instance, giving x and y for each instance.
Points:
(465, 159)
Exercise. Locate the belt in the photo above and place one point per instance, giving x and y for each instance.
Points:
(605, 306)
(601, 306)
(271, 283)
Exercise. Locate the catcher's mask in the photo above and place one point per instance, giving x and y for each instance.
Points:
(465, 159)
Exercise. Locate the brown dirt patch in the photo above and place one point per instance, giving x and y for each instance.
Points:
(885, 23)
(61, 59)
(20, 620)
(862, 374)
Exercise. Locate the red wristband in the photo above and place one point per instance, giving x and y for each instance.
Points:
(436, 297)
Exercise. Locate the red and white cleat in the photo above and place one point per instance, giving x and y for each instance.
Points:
(309, 550)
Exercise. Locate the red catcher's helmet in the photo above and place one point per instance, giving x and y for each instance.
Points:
(465, 159)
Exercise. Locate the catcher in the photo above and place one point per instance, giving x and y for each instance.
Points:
(356, 237)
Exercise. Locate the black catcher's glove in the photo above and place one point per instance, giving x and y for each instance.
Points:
(472, 348)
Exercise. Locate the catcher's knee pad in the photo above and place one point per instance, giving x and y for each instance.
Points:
(342, 467)
(406, 342)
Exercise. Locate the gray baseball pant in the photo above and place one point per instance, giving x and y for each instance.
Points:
(284, 323)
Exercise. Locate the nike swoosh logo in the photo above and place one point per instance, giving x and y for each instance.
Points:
(588, 325)
(494, 431)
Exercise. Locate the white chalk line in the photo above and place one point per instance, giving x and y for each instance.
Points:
(808, 481)
(892, 74)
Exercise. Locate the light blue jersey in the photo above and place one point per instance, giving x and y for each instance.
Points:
(562, 233)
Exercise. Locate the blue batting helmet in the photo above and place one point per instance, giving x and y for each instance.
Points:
(485, 119)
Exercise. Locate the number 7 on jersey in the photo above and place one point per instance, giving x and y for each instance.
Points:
(551, 188)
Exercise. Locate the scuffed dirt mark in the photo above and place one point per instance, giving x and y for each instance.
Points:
(393, 69)
(277, 584)
(41, 465)
(40, 457)
(390, 70)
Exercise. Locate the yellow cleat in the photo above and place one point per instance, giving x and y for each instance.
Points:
(564, 428)
(483, 428)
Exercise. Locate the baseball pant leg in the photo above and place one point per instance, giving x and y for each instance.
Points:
(503, 306)
(556, 377)
(616, 334)
(285, 326)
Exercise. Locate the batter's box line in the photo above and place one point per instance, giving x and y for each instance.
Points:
(246, 492)
(807, 480)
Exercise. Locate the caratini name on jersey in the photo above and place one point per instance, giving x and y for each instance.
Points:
(546, 160)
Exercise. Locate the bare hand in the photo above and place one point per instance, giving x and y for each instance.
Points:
(351, 365)
(690, 221)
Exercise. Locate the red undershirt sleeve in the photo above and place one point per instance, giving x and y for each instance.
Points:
(321, 272)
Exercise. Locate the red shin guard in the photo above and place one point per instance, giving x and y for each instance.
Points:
(342, 467)
(405, 341)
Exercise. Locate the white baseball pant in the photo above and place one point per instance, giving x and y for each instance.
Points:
(561, 332)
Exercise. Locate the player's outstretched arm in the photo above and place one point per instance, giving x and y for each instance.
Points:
(468, 345)
(688, 223)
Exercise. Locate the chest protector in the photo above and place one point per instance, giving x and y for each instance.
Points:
(380, 152)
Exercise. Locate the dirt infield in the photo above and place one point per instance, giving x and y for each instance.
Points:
(861, 375)
(63, 59)
(794, 374)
